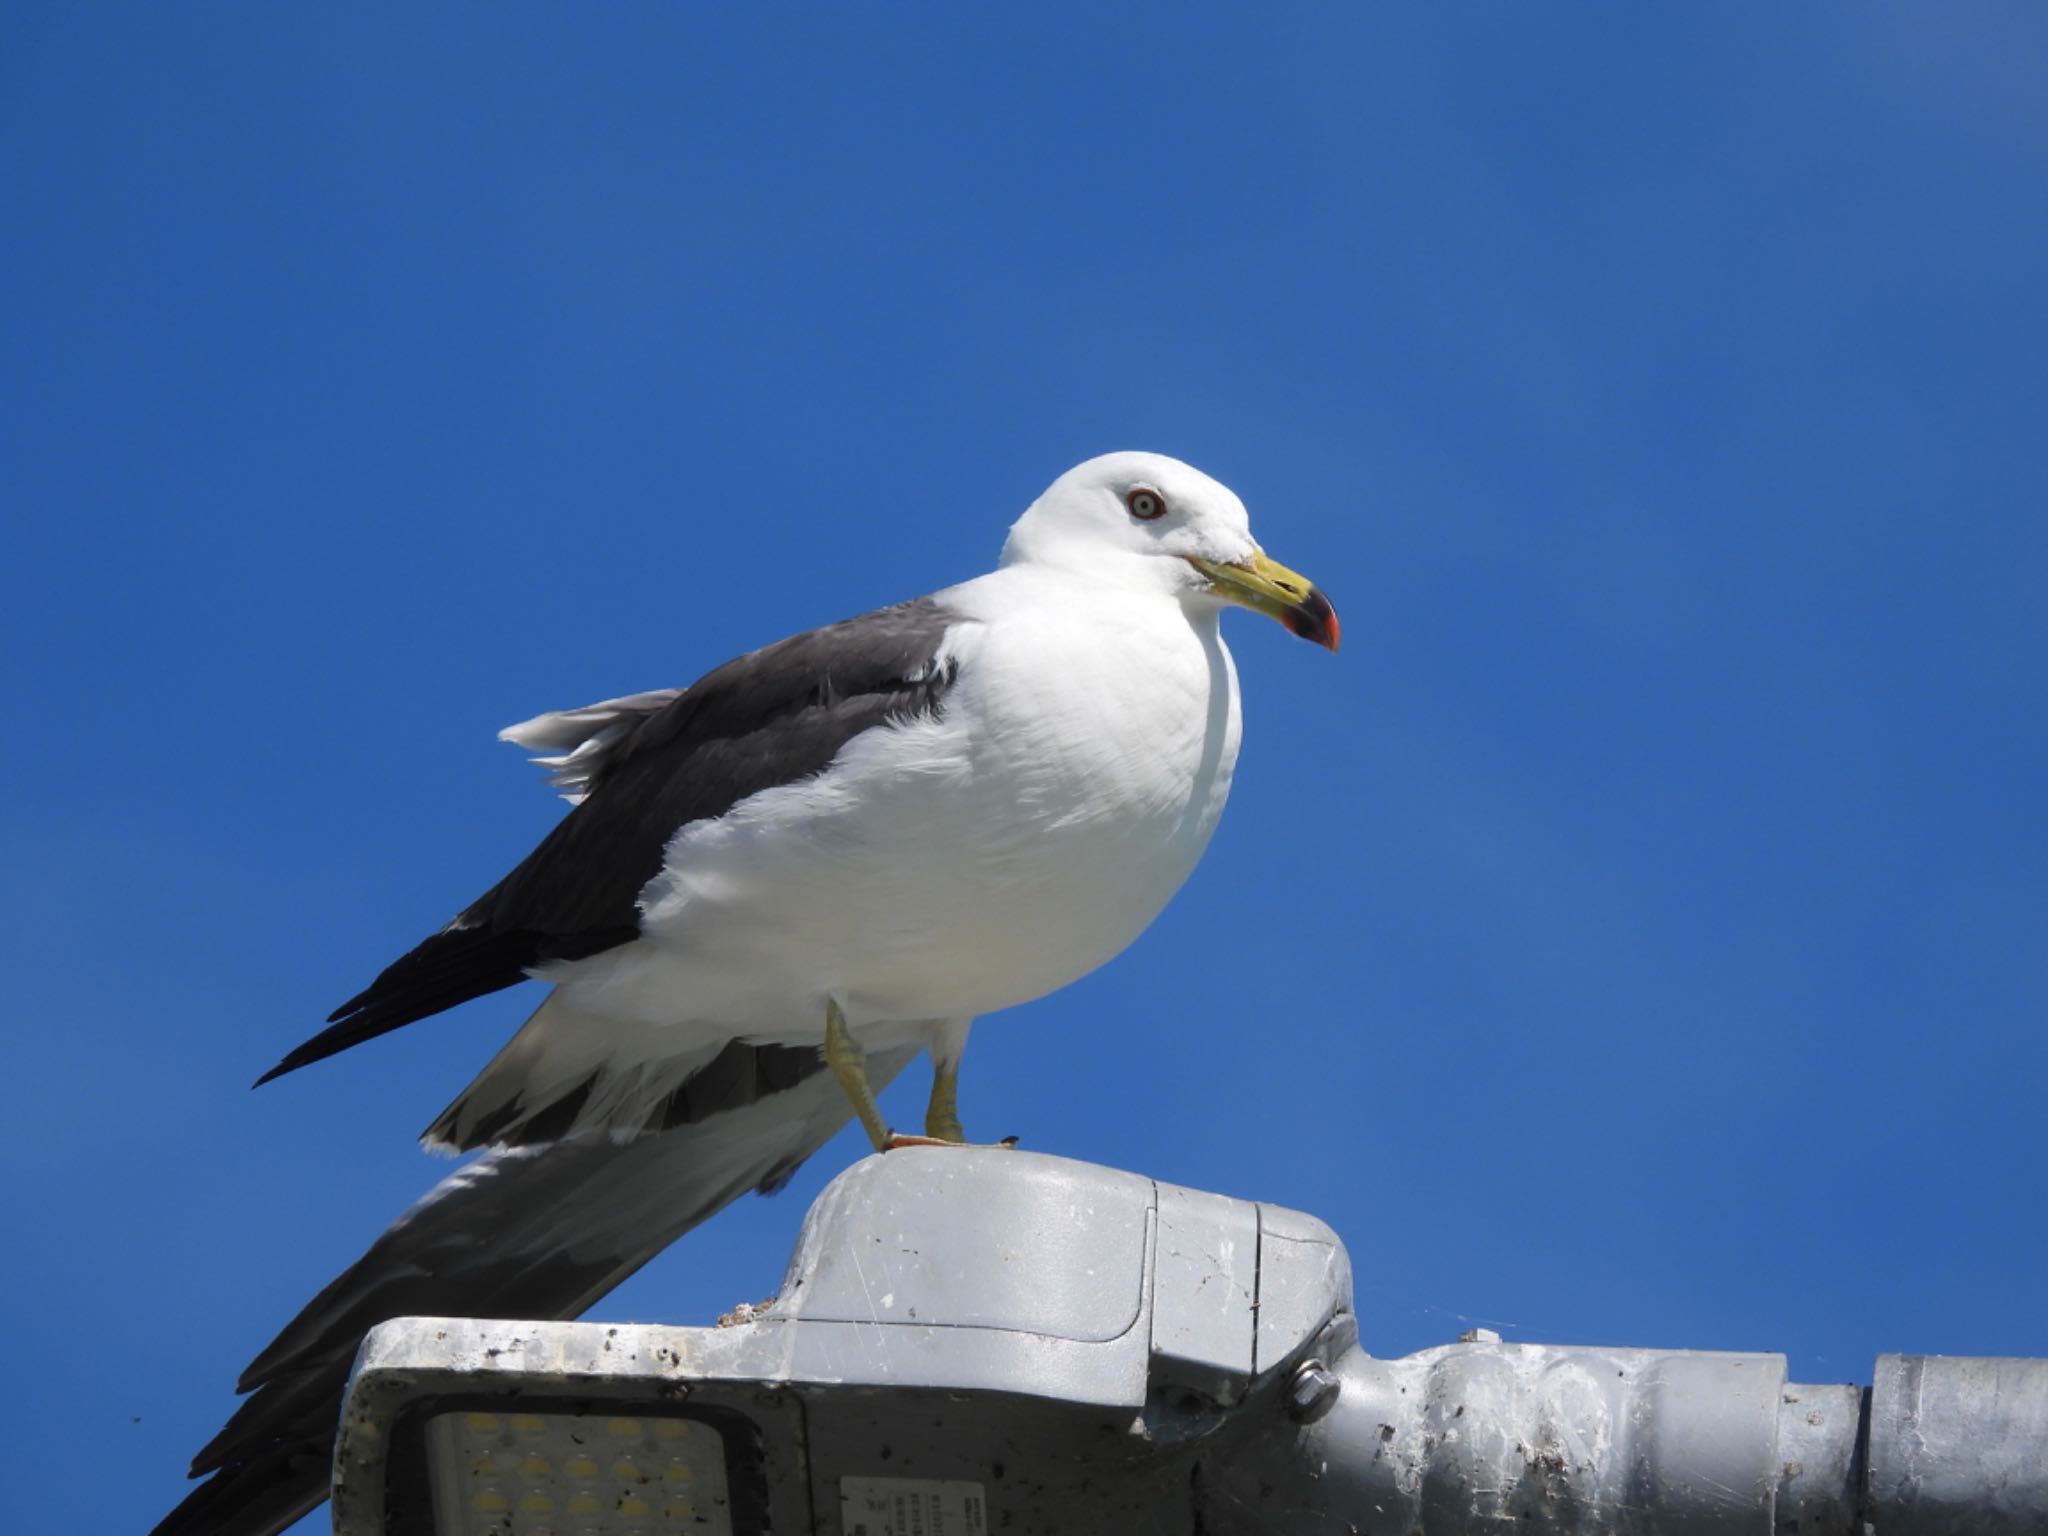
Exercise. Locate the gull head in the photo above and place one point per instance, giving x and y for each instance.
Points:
(1149, 522)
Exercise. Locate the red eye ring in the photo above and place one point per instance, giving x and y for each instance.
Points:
(1145, 503)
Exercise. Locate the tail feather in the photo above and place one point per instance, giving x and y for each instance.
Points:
(565, 1073)
(537, 1231)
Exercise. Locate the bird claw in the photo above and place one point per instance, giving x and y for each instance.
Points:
(899, 1139)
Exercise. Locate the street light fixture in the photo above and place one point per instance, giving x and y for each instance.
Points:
(971, 1342)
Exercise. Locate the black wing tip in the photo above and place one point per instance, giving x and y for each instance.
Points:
(327, 1043)
(257, 1500)
(289, 1063)
(451, 967)
(283, 1067)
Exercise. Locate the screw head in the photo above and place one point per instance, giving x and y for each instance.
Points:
(1312, 1393)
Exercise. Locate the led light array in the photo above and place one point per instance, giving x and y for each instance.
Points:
(559, 1474)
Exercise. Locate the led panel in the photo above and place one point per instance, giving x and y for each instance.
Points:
(561, 1474)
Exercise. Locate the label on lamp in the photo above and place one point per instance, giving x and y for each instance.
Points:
(911, 1506)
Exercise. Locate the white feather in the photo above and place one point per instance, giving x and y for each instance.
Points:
(582, 739)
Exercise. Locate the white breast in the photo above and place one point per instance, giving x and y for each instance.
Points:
(963, 863)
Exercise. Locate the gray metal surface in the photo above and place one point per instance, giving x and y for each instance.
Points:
(1965, 1446)
(1488, 1436)
(1076, 1349)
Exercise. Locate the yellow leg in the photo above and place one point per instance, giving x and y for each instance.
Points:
(849, 1064)
(942, 1114)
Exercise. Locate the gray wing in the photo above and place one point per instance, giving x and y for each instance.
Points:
(648, 765)
(534, 1232)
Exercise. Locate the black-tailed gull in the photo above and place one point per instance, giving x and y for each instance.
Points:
(835, 851)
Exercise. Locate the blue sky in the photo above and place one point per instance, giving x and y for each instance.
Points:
(1636, 935)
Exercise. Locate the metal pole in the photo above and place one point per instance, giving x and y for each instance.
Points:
(1487, 1436)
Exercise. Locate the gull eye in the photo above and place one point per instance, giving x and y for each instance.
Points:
(1145, 504)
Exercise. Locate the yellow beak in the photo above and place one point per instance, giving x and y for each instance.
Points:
(1272, 589)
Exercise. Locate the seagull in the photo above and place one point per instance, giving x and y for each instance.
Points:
(775, 889)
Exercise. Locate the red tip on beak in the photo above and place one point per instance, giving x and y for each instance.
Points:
(1314, 619)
